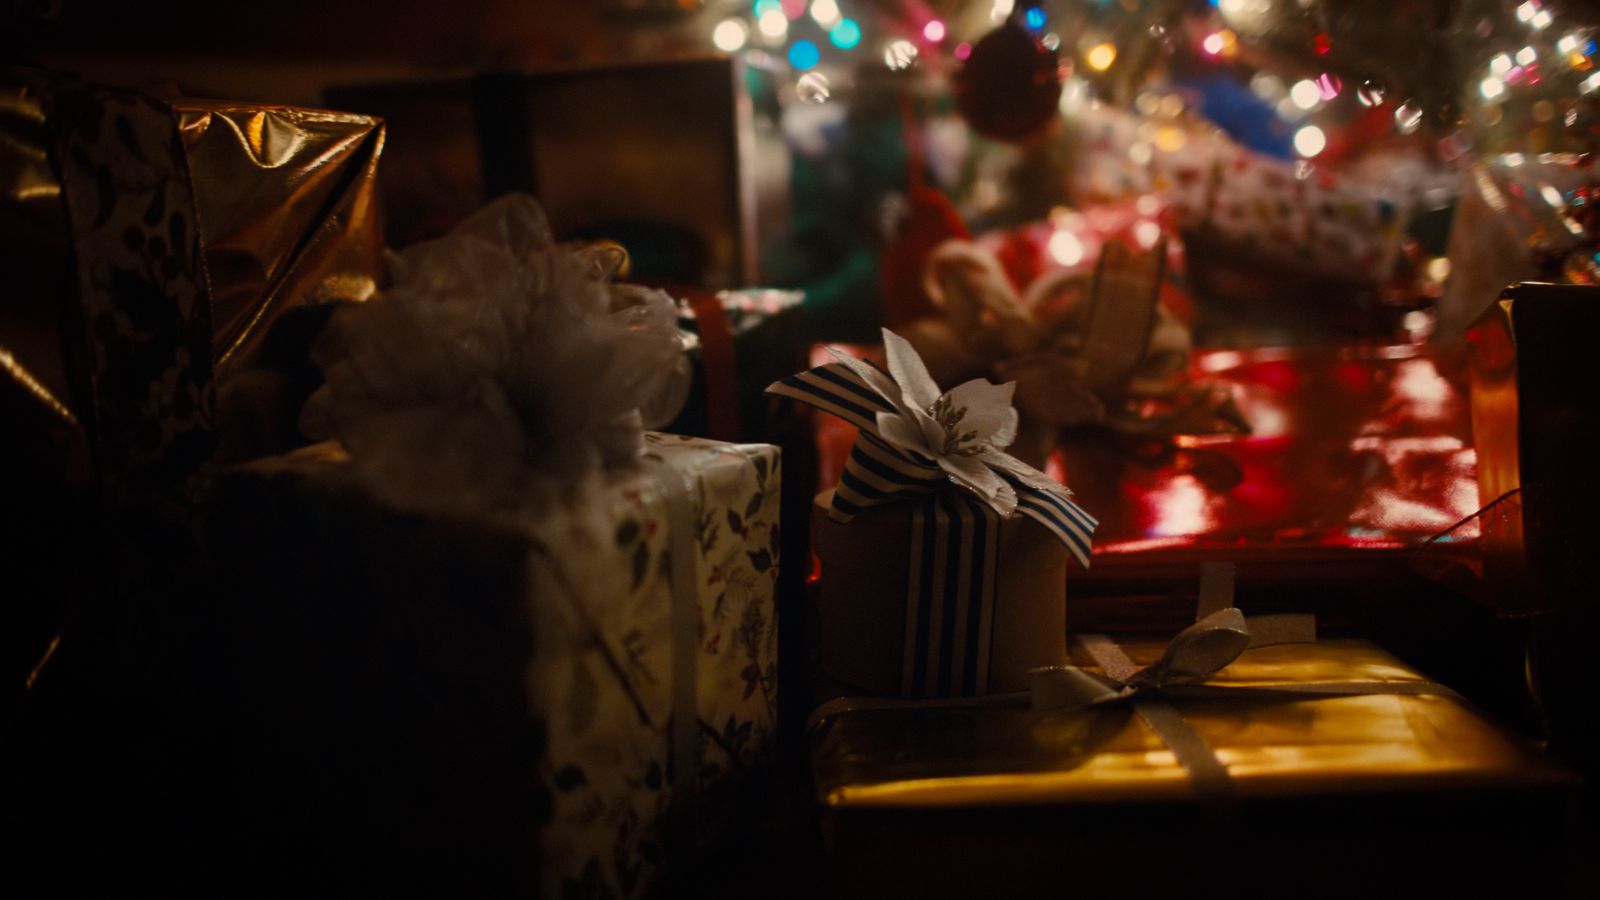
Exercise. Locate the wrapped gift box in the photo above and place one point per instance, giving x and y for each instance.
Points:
(1377, 795)
(1356, 459)
(287, 200)
(105, 362)
(136, 308)
(1532, 406)
(476, 703)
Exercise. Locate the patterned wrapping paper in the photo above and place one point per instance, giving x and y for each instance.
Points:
(608, 810)
(1336, 225)
(736, 536)
(105, 362)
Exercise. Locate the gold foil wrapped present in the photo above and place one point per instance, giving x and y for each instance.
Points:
(1374, 795)
(288, 209)
(288, 206)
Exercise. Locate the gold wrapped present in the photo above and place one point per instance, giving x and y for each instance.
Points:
(1378, 794)
(288, 208)
(497, 703)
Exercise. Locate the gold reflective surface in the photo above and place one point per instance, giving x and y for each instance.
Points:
(287, 200)
(1018, 757)
(33, 229)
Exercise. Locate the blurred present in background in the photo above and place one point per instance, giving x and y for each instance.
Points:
(653, 156)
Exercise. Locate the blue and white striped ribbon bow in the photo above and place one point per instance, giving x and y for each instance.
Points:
(954, 525)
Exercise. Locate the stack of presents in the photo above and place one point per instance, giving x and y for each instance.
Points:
(528, 548)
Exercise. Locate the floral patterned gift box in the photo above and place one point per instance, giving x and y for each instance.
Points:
(534, 643)
(492, 700)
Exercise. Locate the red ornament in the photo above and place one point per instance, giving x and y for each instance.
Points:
(1010, 85)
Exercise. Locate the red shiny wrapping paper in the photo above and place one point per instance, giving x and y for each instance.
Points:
(1359, 458)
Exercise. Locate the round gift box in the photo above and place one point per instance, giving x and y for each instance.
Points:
(861, 598)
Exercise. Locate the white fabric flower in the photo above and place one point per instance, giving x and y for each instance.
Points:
(963, 431)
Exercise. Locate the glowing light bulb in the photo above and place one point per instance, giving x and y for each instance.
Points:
(773, 23)
(1213, 43)
(933, 32)
(1309, 141)
(845, 35)
(730, 35)
(1500, 65)
(804, 55)
(1527, 11)
(1491, 88)
(1568, 43)
(1542, 20)
(1065, 248)
(1526, 56)
(1100, 57)
(1305, 94)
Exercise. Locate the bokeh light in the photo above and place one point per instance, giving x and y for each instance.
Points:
(812, 88)
(933, 32)
(804, 55)
(730, 35)
(773, 23)
(1408, 117)
(899, 54)
(845, 35)
(1065, 248)
(825, 12)
(1309, 141)
(1305, 94)
(1101, 56)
